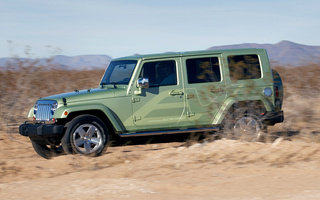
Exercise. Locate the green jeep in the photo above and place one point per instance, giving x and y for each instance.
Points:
(231, 91)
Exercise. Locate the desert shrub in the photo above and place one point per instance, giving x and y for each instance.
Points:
(301, 101)
(303, 80)
(22, 83)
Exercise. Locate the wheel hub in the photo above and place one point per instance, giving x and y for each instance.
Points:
(247, 128)
(87, 138)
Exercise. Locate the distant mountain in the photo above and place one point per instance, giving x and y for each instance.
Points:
(67, 62)
(283, 53)
(84, 61)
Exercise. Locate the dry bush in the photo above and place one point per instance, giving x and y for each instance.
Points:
(21, 84)
(303, 81)
(301, 102)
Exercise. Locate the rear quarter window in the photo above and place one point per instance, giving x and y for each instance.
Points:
(243, 67)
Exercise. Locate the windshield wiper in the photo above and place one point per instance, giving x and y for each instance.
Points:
(102, 85)
(113, 84)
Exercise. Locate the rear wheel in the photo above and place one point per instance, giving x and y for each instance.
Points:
(245, 124)
(87, 135)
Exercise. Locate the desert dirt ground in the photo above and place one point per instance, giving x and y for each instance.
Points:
(282, 168)
(286, 166)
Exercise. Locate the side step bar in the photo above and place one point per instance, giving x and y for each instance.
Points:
(169, 132)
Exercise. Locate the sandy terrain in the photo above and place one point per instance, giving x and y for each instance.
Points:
(285, 167)
(221, 169)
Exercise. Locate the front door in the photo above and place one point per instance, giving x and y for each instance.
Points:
(162, 105)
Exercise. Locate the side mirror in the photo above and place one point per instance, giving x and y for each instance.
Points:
(143, 83)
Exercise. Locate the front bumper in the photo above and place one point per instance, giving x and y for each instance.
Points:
(41, 130)
(273, 117)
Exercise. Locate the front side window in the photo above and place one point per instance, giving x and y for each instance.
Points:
(244, 67)
(201, 70)
(119, 72)
(160, 73)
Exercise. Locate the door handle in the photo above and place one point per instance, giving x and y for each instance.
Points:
(174, 92)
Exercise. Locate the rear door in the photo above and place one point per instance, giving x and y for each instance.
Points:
(204, 86)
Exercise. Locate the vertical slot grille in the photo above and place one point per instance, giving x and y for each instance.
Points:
(44, 110)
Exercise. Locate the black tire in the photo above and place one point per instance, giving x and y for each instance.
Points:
(244, 124)
(46, 152)
(87, 135)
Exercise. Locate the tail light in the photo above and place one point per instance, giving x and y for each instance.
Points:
(276, 91)
(278, 103)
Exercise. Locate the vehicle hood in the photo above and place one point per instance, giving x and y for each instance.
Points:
(84, 95)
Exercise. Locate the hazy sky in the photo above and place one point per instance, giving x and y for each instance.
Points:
(125, 27)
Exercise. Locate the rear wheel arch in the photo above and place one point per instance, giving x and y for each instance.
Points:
(256, 105)
(232, 105)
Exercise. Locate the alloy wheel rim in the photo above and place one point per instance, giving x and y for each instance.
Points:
(87, 138)
(247, 128)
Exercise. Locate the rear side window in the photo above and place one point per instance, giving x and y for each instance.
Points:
(201, 70)
(244, 67)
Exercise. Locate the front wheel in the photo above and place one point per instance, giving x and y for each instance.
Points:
(244, 124)
(46, 151)
(87, 135)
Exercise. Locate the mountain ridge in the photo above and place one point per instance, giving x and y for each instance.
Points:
(80, 62)
(285, 53)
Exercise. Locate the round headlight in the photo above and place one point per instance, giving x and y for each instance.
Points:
(54, 107)
(267, 92)
(35, 108)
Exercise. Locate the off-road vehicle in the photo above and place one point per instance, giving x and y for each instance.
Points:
(234, 91)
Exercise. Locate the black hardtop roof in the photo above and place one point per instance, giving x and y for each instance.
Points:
(191, 53)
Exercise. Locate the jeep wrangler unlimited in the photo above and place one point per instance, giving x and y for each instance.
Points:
(234, 91)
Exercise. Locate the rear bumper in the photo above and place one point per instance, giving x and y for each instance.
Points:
(273, 117)
(41, 130)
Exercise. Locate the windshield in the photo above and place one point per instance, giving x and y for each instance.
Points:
(119, 72)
